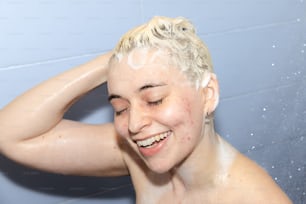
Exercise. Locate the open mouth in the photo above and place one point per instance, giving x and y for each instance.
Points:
(150, 142)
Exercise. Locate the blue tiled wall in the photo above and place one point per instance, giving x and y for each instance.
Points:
(258, 48)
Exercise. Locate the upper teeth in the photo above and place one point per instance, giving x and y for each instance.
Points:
(151, 140)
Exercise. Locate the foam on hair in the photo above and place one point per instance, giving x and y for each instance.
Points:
(177, 37)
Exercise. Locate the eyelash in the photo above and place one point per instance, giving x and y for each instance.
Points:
(155, 103)
(150, 103)
(117, 113)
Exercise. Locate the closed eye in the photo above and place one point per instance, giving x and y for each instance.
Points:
(155, 103)
(118, 113)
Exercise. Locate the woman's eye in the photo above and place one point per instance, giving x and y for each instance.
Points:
(118, 113)
(155, 103)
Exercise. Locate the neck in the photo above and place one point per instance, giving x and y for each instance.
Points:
(207, 165)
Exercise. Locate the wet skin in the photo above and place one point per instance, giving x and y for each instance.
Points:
(188, 162)
(154, 100)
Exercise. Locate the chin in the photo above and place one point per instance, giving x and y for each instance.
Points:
(159, 166)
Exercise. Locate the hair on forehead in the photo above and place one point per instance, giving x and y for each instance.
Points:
(177, 36)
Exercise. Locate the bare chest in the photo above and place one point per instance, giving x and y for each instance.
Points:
(172, 192)
(158, 197)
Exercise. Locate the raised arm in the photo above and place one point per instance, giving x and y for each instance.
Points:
(34, 133)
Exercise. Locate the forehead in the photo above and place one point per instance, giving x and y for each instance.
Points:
(140, 58)
(141, 61)
(142, 66)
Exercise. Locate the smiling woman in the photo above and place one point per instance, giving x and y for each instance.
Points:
(164, 92)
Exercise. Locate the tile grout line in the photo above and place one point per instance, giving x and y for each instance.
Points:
(250, 28)
(259, 91)
(14, 67)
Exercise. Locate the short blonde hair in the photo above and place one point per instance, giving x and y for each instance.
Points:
(177, 36)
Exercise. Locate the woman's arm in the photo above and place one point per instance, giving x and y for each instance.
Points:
(33, 131)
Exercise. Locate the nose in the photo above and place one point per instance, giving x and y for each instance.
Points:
(138, 119)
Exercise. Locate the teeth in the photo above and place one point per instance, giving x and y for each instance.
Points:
(151, 140)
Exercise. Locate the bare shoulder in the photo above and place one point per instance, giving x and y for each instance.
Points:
(254, 183)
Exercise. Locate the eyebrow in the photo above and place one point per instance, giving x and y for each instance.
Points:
(149, 86)
(142, 88)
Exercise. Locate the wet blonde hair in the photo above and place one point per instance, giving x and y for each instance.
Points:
(175, 35)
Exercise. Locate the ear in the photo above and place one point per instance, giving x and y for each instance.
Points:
(211, 94)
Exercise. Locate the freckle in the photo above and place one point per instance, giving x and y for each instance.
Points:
(187, 106)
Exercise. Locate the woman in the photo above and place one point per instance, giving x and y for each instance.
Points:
(163, 91)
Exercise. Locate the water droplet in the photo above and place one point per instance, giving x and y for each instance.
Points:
(253, 147)
(290, 176)
(292, 161)
(273, 46)
(302, 51)
(298, 19)
(275, 178)
(264, 109)
(299, 169)
(252, 134)
(272, 64)
(304, 193)
(272, 166)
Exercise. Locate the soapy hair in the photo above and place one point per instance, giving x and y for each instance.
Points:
(177, 36)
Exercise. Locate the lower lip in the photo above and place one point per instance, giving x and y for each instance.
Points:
(151, 151)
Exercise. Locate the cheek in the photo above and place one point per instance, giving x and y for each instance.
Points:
(179, 112)
(187, 109)
(184, 116)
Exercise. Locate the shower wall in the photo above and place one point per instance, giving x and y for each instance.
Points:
(258, 49)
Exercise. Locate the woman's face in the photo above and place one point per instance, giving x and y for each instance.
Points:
(157, 109)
